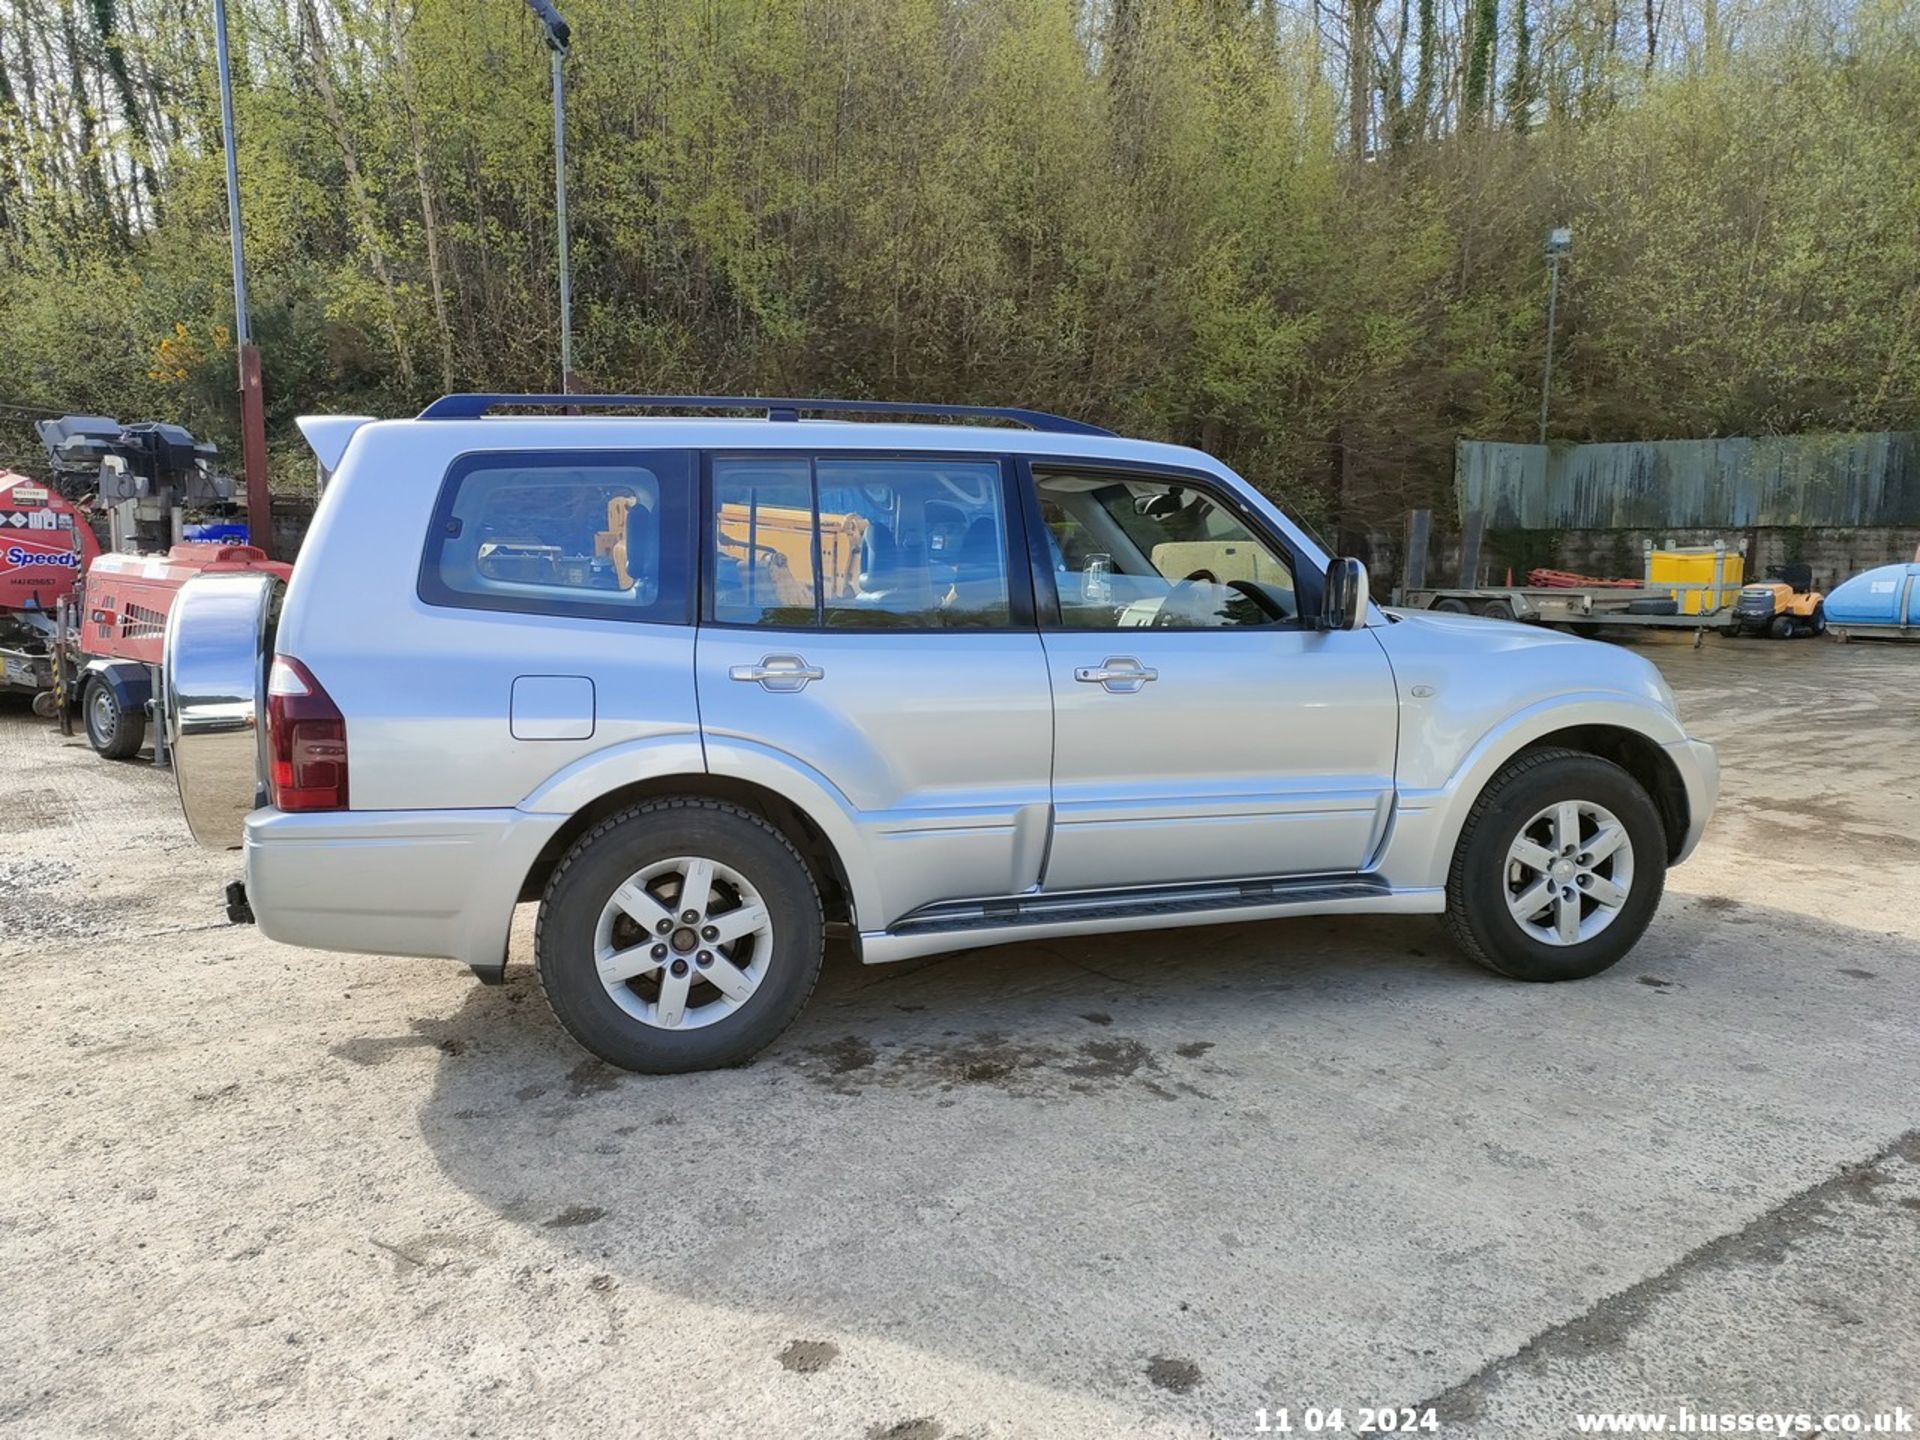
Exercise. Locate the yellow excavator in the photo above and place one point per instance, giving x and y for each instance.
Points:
(773, 545)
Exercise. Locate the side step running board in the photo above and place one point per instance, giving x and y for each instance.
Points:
(948, 916)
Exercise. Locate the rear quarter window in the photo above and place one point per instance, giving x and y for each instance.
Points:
(596, 534)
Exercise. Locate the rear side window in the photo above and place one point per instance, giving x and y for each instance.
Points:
(883, 543)
(598, 534)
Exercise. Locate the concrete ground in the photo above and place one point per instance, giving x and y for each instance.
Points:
(1143, 1186)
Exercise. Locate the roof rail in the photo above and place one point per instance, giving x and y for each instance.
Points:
(469, 407)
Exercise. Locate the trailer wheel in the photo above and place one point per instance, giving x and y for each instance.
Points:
(1450, 606)
(1498, 610)
(114, 731)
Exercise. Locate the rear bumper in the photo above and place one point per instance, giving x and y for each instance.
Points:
(437, 883)
(1699, 771)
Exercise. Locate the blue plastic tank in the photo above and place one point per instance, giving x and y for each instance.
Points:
(1885, 601)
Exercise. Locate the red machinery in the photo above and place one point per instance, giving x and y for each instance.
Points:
(123, 618)
(45, 545)
(146, 480)
(128, 596)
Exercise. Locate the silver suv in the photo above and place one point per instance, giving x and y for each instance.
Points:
(712, 689)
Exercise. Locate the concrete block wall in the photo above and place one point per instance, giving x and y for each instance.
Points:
(1833, 554)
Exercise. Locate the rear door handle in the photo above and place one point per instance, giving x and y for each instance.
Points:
(781, 674)
(1118, 674)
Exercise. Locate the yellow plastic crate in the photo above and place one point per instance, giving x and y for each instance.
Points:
(1693, 565)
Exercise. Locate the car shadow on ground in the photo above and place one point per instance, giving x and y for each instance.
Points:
(1270, 1152)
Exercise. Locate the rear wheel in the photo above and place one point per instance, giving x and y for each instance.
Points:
(1497, 610)
(1559, 869)
(114, 731)
(1450, 606)
(683, 934)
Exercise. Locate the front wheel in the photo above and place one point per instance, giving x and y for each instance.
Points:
(1559, 869)
(682, 934)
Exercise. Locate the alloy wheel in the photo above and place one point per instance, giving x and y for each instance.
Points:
(1569, 872)
(683, 943)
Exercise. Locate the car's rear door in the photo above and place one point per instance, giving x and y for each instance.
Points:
(552, 618)
(1203, 729)
(861, 622)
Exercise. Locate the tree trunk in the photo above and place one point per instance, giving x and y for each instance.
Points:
(1476, 104)
(1423, 85)
(108, 27)
(1520, 79)
(1360, 74)
(356, 186)
(429, 220)
(93, 180)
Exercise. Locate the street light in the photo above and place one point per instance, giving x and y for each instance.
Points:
(1559, 242)
(558, 34)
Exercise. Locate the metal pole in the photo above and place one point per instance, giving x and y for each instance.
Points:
(1553, 303)
(253, 411)
(560, 208)
(242, 329)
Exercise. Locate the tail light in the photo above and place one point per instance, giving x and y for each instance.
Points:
(306, 741)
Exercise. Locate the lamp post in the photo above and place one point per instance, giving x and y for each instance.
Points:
(253, 411)
(557, 36)
(1559, 242)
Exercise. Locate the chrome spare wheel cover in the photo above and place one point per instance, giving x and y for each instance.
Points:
(220, 632)
(683, 943)
(1569, 872)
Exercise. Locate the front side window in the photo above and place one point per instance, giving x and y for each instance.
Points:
(917, 544)
(1135, 551)
(600, 535)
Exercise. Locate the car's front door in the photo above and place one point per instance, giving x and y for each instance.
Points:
(862, 623)
(1203, 729)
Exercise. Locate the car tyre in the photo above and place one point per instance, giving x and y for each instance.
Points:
(114, 731)
(572, 942)
(1485, 882)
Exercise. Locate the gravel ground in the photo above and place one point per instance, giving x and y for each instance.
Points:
(1136, 1186)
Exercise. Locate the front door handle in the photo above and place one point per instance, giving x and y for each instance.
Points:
(782, 674)
(1118, 674)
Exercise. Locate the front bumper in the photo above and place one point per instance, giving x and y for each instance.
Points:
(437, 883)
(1699, 771)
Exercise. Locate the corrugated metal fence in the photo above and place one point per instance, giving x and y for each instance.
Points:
(1839, 481)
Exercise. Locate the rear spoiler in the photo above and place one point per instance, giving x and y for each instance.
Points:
(328, 435)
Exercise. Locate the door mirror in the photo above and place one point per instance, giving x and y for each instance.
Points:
(1343, 602)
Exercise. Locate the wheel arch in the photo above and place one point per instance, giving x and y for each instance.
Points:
(1642, 757)
(809, 837)
(1632, 732)
(131, 682)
